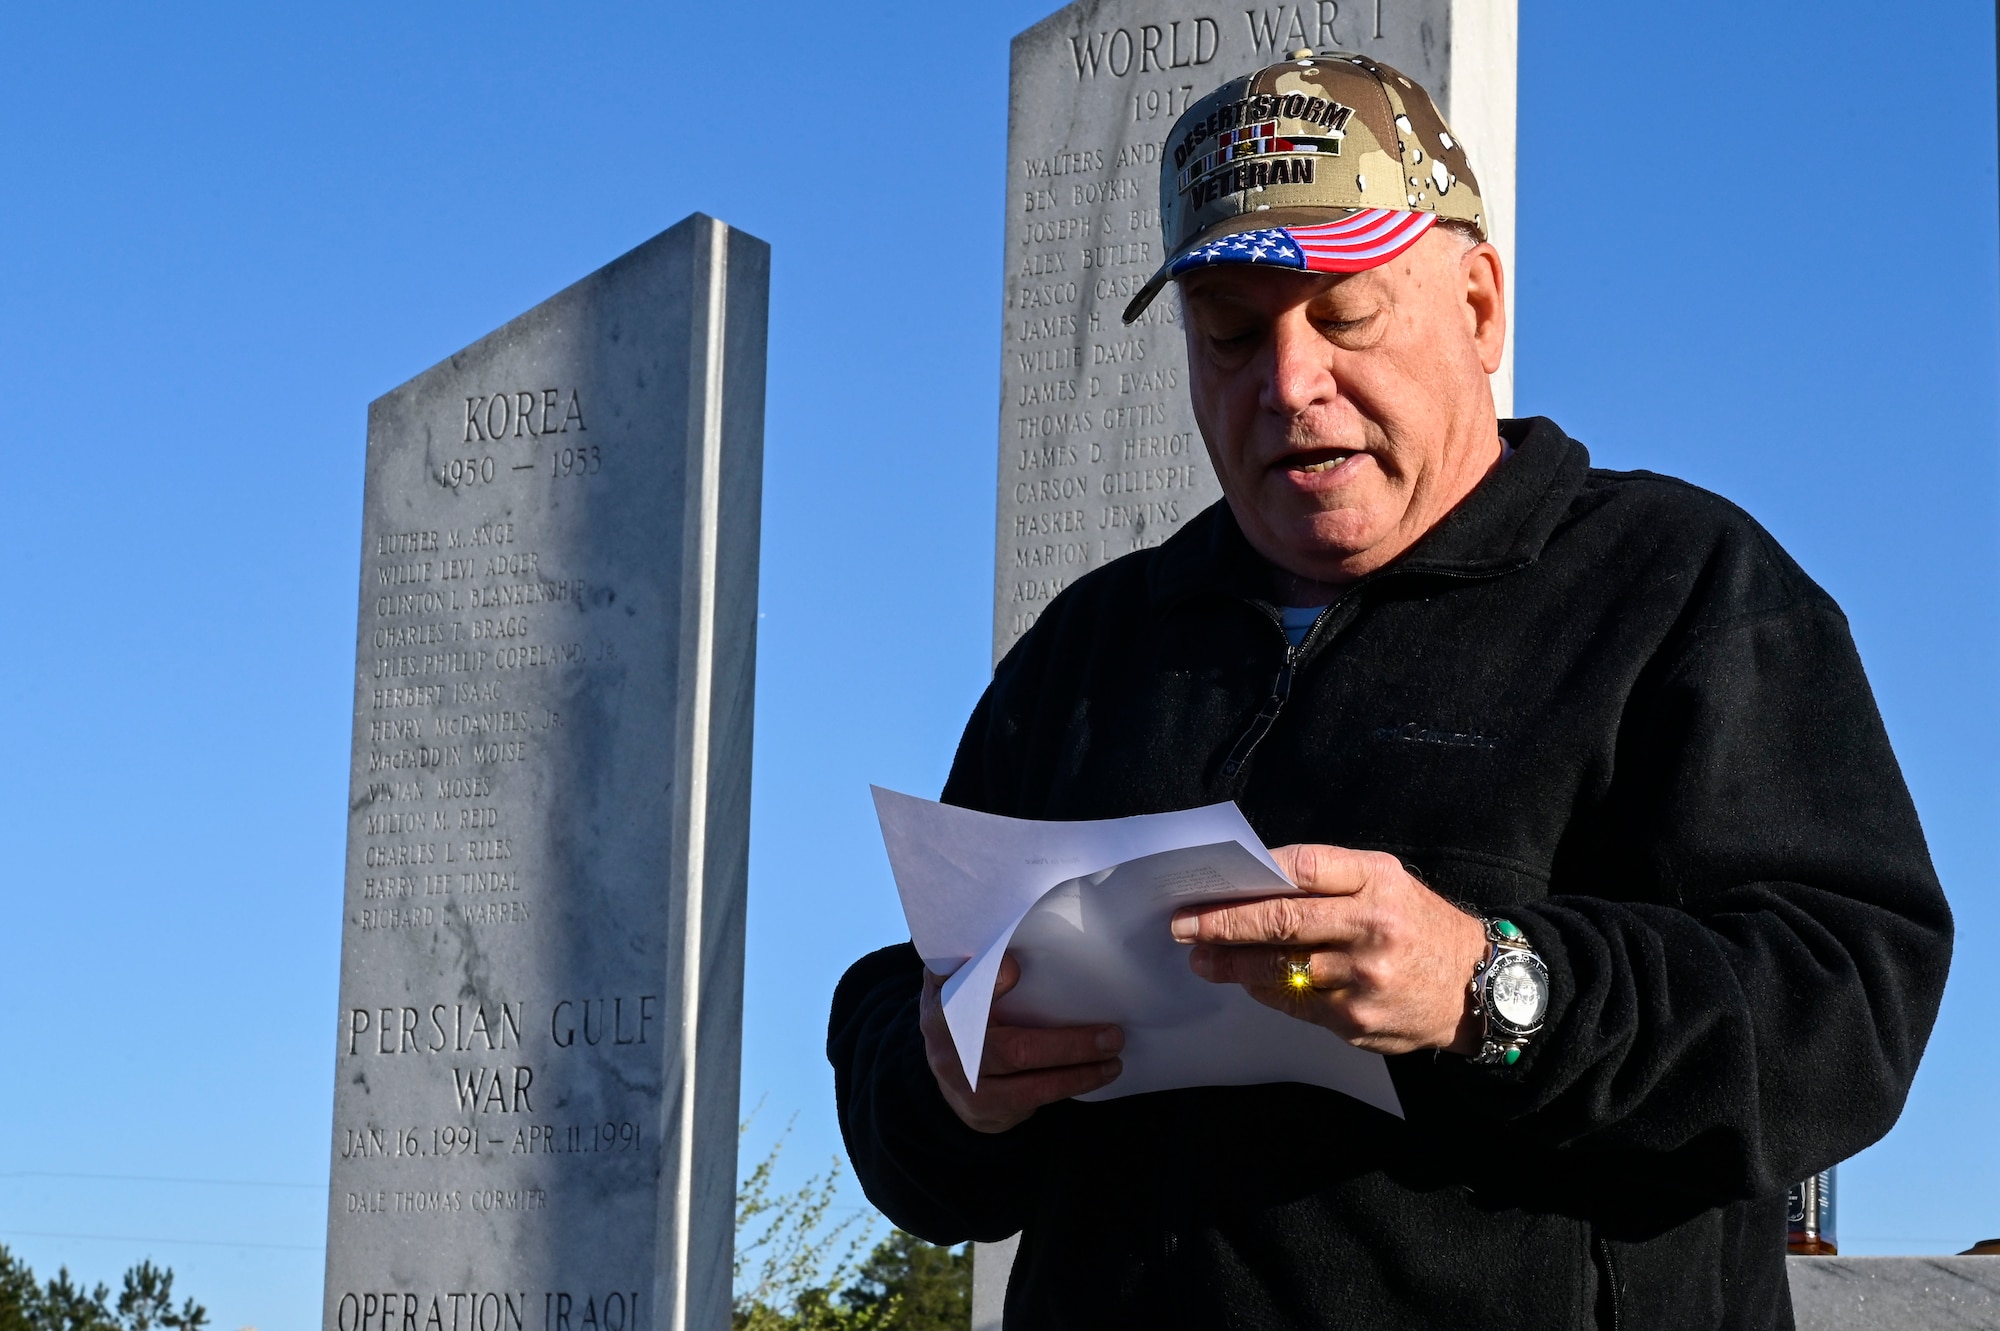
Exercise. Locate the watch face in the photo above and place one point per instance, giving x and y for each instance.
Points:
(1519, 992)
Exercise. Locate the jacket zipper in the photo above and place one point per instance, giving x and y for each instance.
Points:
(1281, 690)
(1603, 1246)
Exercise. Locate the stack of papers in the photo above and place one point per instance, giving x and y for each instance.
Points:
(1084, 907)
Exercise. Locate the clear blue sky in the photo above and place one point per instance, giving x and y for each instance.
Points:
(1758, 250)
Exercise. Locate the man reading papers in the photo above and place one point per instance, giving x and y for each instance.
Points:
(1602, 843)
(1083, 910)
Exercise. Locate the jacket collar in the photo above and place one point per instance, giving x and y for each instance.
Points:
(1500, 527)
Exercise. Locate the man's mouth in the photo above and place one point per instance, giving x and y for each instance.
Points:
(1315, 464)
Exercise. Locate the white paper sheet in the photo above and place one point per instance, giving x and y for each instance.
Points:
(1084, 907)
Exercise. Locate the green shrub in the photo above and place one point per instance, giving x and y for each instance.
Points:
(798, 1270)
(145, 1304)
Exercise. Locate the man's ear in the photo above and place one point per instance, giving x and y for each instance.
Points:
(1486, 303)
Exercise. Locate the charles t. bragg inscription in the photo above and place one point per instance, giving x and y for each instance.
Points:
(1096, 438)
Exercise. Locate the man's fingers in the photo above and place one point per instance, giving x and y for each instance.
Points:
(1271, 968)
(1012, 1050)
(1334, 875)
(1021, 1068)
(1300, 921)
(1032, 1090)
(1332, 870)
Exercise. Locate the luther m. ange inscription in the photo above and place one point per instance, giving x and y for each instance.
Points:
(541, 970)
(1099, 454)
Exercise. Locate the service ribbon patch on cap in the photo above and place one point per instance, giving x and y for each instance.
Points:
(1325, 164)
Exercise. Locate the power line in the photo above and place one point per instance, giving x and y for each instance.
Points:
(158, 1178)
(138, 1238)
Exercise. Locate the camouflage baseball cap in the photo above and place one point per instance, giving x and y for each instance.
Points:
(1328, 164)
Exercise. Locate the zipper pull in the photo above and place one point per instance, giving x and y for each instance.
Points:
(1267, 715)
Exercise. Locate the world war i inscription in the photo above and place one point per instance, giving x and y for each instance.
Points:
(1099, 454)
(541, 973)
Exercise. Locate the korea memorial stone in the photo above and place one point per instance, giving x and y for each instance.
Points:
(535, 1103)
(1099, 454)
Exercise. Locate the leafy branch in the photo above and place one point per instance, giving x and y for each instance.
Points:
(797, 1270)
(146, 1303)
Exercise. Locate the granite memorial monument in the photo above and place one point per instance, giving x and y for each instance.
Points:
(537, 1058)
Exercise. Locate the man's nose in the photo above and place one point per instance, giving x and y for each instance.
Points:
(1301, 369)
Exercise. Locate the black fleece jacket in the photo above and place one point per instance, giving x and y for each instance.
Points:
(1604, 703)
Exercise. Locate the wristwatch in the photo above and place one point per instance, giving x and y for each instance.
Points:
(1510, 993)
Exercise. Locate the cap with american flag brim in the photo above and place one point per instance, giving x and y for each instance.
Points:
(1324, 164)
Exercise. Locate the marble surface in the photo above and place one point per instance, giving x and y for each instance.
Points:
(991, 1263)
(536, 1066)
(1895, 1293)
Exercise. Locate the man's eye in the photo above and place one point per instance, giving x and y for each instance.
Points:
(1335, 323)
(1352, 334)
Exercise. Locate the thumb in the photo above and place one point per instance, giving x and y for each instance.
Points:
(1324, 870)
(1009, 976)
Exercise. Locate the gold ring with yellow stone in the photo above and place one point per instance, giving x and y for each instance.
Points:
(1299, 973)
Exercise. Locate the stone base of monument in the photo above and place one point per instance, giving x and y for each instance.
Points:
(991, 1264)
(1894, 1293)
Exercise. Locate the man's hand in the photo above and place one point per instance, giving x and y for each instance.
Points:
(1389, 958)
(1022, 1068)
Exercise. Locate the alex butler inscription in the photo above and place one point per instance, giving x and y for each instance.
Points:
(1099, 454)
(537, 1045)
